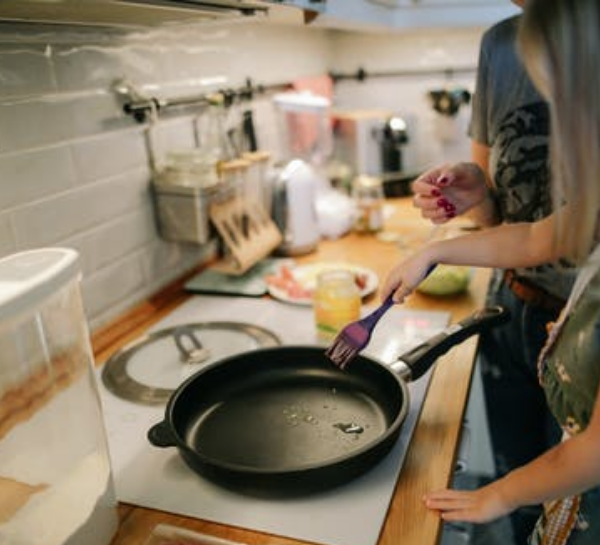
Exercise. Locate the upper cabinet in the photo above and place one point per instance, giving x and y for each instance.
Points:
(401, 14)
(145, 13)
(348, 14)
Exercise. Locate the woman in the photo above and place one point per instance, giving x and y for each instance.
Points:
(560, 45)
(507, 182)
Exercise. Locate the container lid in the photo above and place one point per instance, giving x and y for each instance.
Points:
(27, 278)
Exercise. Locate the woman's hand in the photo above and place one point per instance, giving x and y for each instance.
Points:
(448, 191)
(407, 275)
(482, 505)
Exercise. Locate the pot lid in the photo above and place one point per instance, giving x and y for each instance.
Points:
(150, 369)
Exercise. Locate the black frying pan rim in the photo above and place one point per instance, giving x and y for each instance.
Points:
(392, 430)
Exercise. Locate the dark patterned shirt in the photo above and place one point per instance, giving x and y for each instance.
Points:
(511, 118)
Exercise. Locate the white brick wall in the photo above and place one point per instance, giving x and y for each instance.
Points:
(74, 170)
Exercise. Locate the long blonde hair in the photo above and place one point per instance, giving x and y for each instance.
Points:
(559, 42)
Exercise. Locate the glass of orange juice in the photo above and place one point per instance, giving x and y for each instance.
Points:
(336, 302)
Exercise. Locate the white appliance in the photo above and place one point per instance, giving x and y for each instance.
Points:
(294, 208)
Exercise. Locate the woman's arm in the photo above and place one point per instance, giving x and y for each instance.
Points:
(570, 468)
(486, 213)
(505, 246)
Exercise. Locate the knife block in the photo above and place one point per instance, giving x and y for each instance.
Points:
(247, 231)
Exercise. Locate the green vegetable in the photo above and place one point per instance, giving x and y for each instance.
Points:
(446, 280)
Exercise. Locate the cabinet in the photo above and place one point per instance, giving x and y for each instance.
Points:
(411, 14)
(312, 5)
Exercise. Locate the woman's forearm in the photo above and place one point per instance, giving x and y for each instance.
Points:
(505, 246)
(569, 468)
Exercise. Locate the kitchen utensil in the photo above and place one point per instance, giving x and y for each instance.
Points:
(283, 420)
(149, 370)
(248, 232)
(356, 335)
(55, 475)
(248, 130)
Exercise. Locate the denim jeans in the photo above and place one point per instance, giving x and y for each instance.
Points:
(520, 424)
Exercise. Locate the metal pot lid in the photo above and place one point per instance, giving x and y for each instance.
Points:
(150, 369)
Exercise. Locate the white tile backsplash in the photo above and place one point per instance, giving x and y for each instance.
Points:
(52, 220)
(31, 176)
(7, 240)
(75, 169)
(25, 71)
(109, 154)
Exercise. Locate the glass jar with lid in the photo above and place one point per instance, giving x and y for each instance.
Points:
(367, 192)
(336, 302)
(189, 168)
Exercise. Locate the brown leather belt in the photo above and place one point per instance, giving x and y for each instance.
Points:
(532, 294)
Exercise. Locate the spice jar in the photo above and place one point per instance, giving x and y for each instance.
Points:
(336, 302)
(367, 192)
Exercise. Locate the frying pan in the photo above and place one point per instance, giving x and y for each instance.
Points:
(285, 420)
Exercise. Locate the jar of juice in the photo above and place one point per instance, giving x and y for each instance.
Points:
(336, 302)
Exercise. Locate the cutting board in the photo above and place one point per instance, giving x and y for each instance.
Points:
(252, 283)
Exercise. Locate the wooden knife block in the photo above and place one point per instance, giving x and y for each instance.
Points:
(248, 232)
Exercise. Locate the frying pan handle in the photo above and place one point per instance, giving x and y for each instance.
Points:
(422, 357)
(161, 435)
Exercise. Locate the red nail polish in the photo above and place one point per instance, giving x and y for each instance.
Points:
(443, 180)
(450, 207)
(442, 203)
(450, 215)
(435, 192)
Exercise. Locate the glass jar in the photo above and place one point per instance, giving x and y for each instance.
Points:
(336, 302)
(189, 168)
(367, 192)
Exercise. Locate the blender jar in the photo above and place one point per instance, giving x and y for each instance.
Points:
(55, 476)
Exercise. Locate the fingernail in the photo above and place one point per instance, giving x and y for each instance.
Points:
(450, 207)
(443, 180)
(443, 203)
(450, 215)
(435, 192)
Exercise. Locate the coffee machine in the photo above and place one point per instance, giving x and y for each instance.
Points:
(371, 142)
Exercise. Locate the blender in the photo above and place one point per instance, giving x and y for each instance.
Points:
(306, 144)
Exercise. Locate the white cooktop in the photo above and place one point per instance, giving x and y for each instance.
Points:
(350, 514)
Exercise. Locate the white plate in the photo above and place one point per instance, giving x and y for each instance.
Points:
(306, 275)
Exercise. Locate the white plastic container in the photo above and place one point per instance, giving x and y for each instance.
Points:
(55, 476)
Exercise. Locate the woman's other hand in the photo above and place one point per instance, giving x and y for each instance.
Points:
(482, 505)
(448, 191)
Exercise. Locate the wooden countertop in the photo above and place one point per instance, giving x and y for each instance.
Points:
(431, 456)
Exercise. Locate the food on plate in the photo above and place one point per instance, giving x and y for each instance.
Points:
(446, 280)
(285, 281)
(299, 284)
